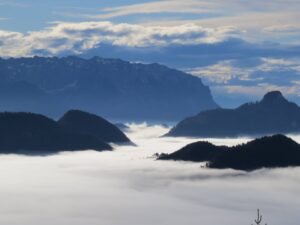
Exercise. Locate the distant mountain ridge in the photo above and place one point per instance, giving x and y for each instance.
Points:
(273, 114)
(109, 87)
(267, 152)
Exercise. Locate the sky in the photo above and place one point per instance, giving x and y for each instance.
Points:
(129, 187)
(240, 48)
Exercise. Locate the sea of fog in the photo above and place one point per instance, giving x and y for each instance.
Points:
(129, 187)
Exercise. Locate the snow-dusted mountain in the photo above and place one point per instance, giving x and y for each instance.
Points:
(109, 87)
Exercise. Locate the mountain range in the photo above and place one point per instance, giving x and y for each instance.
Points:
(273, 114)
(112, 88)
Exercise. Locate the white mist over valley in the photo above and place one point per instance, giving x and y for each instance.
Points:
(129, 187)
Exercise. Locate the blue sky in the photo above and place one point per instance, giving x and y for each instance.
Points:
(240, 48)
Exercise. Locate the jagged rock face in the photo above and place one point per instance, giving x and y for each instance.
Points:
(86, 123)
(109, 87)
(268, 152)
(273, 114)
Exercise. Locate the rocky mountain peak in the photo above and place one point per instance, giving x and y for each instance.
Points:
(273, 97)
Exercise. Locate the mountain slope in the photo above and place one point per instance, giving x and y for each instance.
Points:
(34, 134)
(269, 152)
(273, 114)
(86, 123)
(110, 87)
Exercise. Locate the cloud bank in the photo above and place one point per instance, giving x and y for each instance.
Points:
(272, 15)
(127, 187)
(234, 77)
(79, 37)
(165, 6)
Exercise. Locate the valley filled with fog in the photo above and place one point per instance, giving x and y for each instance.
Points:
(129, 187)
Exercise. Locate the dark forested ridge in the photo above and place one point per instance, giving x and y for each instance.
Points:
(113, 88)
(273, 114)
(34, 134)
(269, 152)
(86, 123)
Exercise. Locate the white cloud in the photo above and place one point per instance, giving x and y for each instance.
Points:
(242, 14)
(225, 71)
(259, 89)
(279, 64)
(229, 8)
(287, 28)
(11, 3)
(164, 6)
(11, 43)
(126, 187)
(227, 78)
(221, 73)
(274, 16)
(77, 37)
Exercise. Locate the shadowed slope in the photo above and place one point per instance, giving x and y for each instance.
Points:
(86, 123)
(273, 151)
(273, 114)
(34, 134)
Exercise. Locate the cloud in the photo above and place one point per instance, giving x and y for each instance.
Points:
(78, 37)
(269, 70)
(221, 73)
(274, 16)
(262, 88)
(127, 187)
(165, 6)
(11, 43)
(282, 28)
(12, 4)
(231, 8)
(247, 22)
(234, 82)
(280, 64)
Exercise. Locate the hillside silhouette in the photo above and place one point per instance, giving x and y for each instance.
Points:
(87, 123)
(266, 152)
(34, 134)
(273, 114)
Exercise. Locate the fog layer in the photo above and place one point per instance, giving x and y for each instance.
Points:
(128, 187)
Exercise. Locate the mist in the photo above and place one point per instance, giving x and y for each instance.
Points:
(129, 187)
